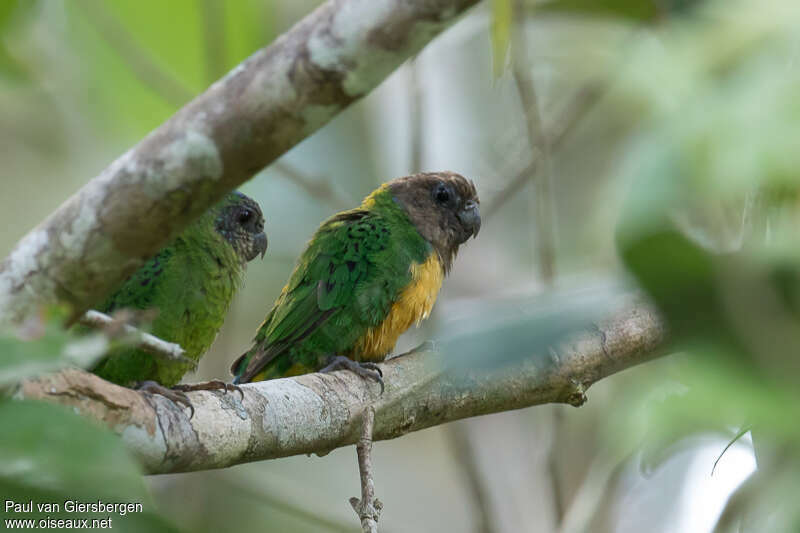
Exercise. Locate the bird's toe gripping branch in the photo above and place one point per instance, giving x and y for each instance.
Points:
(366, 370)
(178, 393)
(214, 384)
(178, 397)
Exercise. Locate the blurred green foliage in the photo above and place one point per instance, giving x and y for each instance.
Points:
(691, 153)
(42, 344)
(710, 226)
(48, 454)
(11, 12)
(500, 31)
(190, 43)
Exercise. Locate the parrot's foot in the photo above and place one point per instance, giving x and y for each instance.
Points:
(177, 396)
(214, 384)
(366, 370)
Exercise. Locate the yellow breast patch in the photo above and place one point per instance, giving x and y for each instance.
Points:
(413, 306)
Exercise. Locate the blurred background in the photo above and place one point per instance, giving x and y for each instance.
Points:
(613, 144)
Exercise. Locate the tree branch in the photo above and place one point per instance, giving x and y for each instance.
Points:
(267, 104)
(464, 452)
(368, 507)
(542, 198)
(318, 188)
(316, 413)
(579, 106)
(149, 343)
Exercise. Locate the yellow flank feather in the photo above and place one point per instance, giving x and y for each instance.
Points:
(413, 306)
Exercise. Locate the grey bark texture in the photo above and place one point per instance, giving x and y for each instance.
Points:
(316, 413)
(276, 98)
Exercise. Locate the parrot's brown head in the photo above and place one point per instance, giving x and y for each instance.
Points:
(443, 206)
(240, 222)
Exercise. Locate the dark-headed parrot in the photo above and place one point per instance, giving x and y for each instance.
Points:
(365, 277)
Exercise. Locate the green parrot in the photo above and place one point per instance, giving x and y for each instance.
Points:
(365, 277)
(191, 283)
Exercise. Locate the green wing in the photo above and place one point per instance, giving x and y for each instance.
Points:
(141, 289)
(191, 292)
(345, 282)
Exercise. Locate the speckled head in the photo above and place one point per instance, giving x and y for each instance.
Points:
(240, 221)
(443, 206)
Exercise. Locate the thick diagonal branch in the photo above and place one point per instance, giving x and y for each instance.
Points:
(316, 413)
(270, 102)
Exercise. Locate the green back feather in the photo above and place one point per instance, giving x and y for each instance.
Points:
(191, 282)
(345, 282)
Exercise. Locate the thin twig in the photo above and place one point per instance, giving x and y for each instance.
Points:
(368, 508)
(415, 114)
(595, 496)
(739, 435)
(320, 189)
(144, 341)
(140, 61)
(272, 499)
(464, 450)
(543, 202)
(580, 105)
(553, 455)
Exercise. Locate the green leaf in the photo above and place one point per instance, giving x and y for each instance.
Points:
(8, 8)
(501, 34)
(48, 454)
(145, 58)
(48, 347)
(12, 13)
(637, 10)
(10, 68)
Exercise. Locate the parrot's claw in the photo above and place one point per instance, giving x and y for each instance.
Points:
(176, 395)
(366, 370)
(214, 384)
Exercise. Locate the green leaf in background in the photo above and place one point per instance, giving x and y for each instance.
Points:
(501, 34)
(147, 58)
(709, 231)
(638, 10)
(10, 68)
(48, 454)
(11, 8)
(48, 347)
(13, 13)
(731, 139)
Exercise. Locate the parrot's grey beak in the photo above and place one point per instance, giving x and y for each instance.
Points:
(470, 218)
(259, 246)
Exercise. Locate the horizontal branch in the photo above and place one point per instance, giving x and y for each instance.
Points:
(316, 413)
(266, 105)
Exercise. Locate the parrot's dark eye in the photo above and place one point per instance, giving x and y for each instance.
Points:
(245, 216)
(441, 194)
